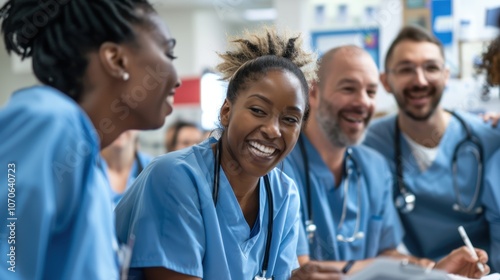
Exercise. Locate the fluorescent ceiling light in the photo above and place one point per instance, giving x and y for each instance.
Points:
(260, 14)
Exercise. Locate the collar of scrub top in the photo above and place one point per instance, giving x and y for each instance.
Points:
(140, 167)
(346, 173)
(405, 200)
(215, 195)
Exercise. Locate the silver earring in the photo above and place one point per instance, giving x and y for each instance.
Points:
(125, 76)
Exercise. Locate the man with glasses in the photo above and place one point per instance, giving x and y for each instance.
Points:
(436, 156)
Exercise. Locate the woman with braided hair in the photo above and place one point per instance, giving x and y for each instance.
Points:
(222, 210)
(105, 67)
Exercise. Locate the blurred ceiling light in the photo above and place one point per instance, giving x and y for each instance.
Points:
(260, 14)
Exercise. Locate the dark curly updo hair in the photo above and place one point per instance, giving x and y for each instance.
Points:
(257, 53)
(58, 34)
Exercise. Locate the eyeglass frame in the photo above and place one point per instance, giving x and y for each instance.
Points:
(415, 67)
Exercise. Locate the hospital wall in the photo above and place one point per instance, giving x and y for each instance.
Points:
(202, 31)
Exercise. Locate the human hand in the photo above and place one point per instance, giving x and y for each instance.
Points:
(316, 271)
(461, 261)
(491, 116)
(423, 262)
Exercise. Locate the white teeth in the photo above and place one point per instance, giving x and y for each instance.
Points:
(351, 119)
(266, 151)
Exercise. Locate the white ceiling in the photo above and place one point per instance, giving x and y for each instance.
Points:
(236, 4)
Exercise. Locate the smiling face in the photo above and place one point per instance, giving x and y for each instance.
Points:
(418, 94)
(344, 101)
(262, 124)
(153, 78)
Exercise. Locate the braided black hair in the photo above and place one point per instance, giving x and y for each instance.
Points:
(58, 34)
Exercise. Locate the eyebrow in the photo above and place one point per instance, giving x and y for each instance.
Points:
(167, 42)
(353, 81)
(268, 101)
(402, 62)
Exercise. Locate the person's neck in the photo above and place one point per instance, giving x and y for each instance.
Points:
(119, 159)
(428, 132)
(108, 124)
(331, 155)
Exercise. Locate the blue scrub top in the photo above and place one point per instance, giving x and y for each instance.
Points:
(431, 228)
(61, 217)
(491, 195)
(140, 162)
(378, 219)
(171, 212)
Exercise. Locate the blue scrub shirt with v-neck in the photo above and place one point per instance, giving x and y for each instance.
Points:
(171, 212)
(431, 228)
(378, 219)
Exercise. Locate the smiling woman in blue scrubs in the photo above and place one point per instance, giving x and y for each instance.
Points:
(59, 209)
(220, 209)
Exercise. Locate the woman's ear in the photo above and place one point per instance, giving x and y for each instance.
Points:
(225, 113)
(113, 60)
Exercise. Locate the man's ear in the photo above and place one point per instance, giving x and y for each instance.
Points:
(385, 82)
(113, 59)
(225, 113)
(314, 93)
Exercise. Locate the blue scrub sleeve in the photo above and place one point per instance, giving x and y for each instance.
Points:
(287, 252)
(303, 242)
(491, 202)
(392, 230)
(64, 227)
(167, 220)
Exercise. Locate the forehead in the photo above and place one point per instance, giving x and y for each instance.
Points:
(417, 52)
(156, 29)
(187, 131)
(281, 87)
(360, 67)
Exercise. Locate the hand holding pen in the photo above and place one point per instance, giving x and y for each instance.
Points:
(465, 262)
(467, 242)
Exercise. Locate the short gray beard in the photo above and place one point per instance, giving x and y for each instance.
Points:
(331, 127)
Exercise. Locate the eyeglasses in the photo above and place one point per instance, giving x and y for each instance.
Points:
(432, 71)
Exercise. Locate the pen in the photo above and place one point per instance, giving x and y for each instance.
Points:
(466, 240)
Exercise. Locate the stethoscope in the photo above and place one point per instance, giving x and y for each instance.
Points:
(215, 195)
(310, 226)
(405, 200)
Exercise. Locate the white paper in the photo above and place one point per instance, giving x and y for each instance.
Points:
(494, 276)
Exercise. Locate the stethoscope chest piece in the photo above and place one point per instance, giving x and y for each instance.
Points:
(458, 208)
(262, 278)
(405, 202)
(310, 230)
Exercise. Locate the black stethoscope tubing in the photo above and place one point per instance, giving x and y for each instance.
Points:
(215, 195)
(406, 207)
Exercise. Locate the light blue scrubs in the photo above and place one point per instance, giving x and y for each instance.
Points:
(378, 219)
(431, 228)
(140, 162)
(171, 212)
(61, 210)
(491, 195)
